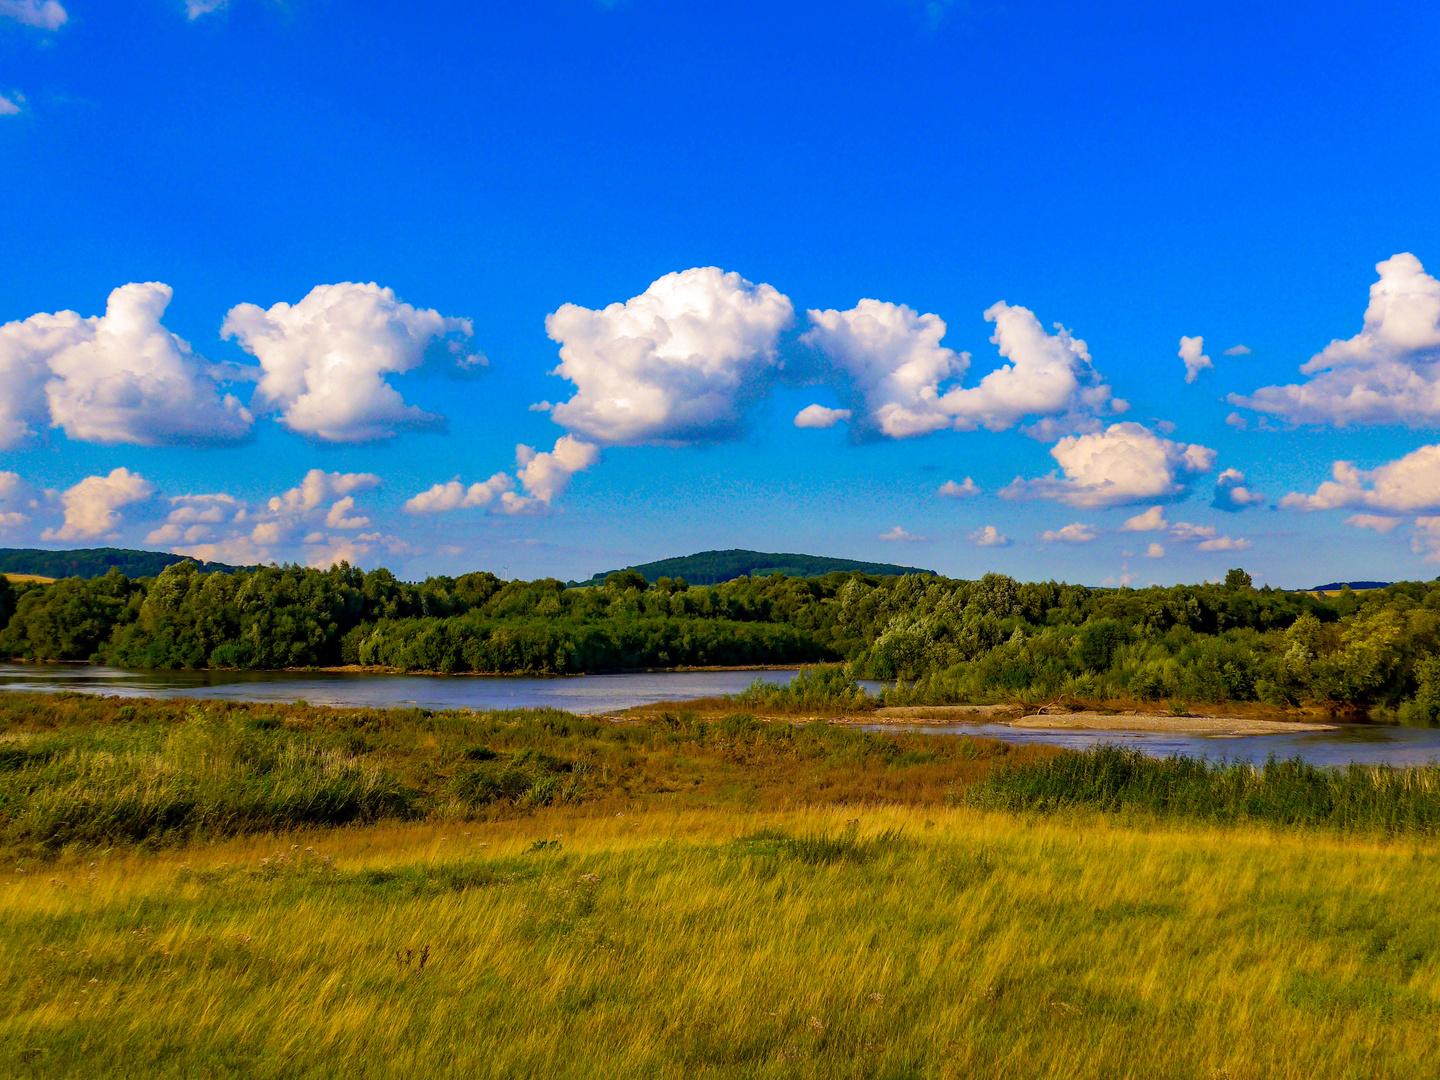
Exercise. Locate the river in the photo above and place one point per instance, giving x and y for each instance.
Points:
(1363, 743)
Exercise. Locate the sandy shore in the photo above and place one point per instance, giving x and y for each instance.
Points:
(1167, 724)
(1149, 723)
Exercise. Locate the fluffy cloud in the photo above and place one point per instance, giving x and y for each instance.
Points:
(895, 365)
(195, 8)
(324, 360)
(899, 535)
(456, 496)
(989, 536)
(1425, 540)
(1152, 520)
(219, 527)
(952, 490)
(317, 488)
(545, 476)
(8, 107)
(46, 14)
(1383, 525)
(1238, 350)
(341, 515)
(1185, 532)
(1155, 551)
(1126, 463)
(675, 364)
(1389, 373)
(16, 497)
(192, 518)
(1192, 352)
(1205, 539)
(92, 507)
(1406, 484)
(1231, 492)
(1076, 533)
(818, 416)
(116, 378)
(1224, 543)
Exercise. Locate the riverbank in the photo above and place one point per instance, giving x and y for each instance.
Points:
(1096, 719)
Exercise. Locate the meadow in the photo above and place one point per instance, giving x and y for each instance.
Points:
(222, 891)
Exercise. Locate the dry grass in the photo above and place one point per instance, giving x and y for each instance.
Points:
(679, 943)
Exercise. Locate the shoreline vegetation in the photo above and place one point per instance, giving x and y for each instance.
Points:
(221, 888)
(1211, 649)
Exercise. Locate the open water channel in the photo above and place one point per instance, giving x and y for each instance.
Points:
(1363, 743)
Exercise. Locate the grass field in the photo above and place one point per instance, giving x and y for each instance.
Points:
(717, 902)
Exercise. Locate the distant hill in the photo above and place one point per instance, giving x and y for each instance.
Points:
(1355, 586)
(714, 567)
(93, 562)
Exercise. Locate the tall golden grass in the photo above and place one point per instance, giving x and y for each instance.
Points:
(671, 942)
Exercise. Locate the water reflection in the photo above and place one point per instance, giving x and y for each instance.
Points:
(577, 693)
(1365, 744)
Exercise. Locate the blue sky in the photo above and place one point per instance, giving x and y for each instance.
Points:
(1135, 173)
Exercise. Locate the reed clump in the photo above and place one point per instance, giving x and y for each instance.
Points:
(1109, 778)
(827, 688)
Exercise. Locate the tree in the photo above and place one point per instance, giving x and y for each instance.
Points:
(1238, 580)
(621, 580)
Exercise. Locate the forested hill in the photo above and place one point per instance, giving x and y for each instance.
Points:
(717, 567)
(93, 562)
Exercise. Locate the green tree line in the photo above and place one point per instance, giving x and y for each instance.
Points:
(936, 639)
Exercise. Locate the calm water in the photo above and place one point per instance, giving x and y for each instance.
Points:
(1363, 743)
(611, 693)
(578, 693)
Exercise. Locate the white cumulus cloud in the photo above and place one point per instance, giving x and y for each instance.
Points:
(195, 8)
(1406, 484)
(1232, 493)
(319, 487)
(46, 14)
(342, 515)
(92, 507)
(1378, 522)
(324, 359)
(1205, 537)
(951, 490)
(1389, 373)
(1189, 533)
(16, 497)
(1192, 352)
(456, 496)
(894, 362)
(117, 378)
(1076, 533)
(1126, 463)
(8, 107)
(219, 527)
(1152, 520)
(1224, 543)
(675, 364)
(989, 536)
(1425, 540)
(1238, 350)
(1155, 551)
(546, 475)
(818, 416)
(899, 535)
